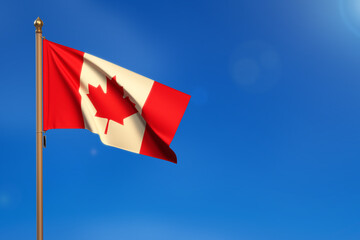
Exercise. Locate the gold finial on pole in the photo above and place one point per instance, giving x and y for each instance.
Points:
(38, 25)
(39, 131)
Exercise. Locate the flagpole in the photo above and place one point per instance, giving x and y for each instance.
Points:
(39, 131)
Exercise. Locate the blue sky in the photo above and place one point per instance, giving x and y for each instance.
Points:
(267, 149)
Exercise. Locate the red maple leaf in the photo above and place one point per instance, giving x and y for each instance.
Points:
(111, 105)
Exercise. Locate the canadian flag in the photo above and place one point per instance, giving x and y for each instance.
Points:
(127, 110)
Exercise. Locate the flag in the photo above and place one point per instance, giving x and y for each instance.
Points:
(125, 109)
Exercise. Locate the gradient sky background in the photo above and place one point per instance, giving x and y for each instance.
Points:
(268, 148)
